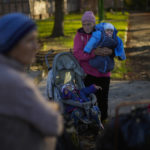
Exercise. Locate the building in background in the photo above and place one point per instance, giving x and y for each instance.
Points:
(41, 9)
(8, 6)
(37, 9)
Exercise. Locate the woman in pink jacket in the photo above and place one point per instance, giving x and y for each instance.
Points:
(93, 75)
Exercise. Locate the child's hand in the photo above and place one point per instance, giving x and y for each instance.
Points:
(97, 87)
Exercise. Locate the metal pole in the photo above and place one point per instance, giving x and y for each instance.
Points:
(101, 10)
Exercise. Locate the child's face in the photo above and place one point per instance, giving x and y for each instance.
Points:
(109, 32)
(69, 87)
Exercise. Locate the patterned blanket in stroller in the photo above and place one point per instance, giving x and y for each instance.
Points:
(66, 70)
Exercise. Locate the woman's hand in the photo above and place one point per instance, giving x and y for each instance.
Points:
(103, 51)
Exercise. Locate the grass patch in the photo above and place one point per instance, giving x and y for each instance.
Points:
(120, 70)
(116, 16)
(72, 22)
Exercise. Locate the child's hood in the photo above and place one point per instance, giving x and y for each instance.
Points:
(68, 86)
(100, 27)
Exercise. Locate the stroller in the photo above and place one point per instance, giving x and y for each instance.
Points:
(65, 69)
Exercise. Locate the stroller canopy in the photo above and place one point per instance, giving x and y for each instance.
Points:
(66, 68)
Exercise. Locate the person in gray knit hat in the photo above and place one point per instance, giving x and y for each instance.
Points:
(27, 120)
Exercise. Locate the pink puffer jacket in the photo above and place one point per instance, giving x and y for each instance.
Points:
(83, 58)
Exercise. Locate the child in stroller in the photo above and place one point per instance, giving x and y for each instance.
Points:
(69, 91)
(66, 75)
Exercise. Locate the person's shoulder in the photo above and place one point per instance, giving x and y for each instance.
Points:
(81, 31)
(81, 34)
(11, 77)
(7, 73)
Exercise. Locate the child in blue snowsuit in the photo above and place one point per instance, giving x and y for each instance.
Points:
(105, 36)
(69, 91)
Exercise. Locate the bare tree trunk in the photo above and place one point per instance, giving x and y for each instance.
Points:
(58, 29)
(94, 6)
(91, 5)
(116, 5)
(81, 6)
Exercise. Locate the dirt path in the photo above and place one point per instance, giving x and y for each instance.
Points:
(137, 87)
(138, 46)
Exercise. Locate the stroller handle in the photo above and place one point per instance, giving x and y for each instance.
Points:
(46, 58)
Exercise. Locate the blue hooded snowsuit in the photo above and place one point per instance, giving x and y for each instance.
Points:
(100, 39)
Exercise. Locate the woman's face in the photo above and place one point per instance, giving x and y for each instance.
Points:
(26, 49)
(88, 26)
